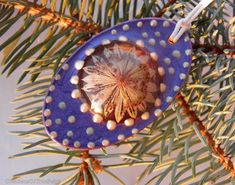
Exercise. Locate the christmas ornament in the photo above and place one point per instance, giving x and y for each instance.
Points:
(116, 84)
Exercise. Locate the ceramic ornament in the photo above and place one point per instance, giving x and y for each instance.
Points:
(116, 84)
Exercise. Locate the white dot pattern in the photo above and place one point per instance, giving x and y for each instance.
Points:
(144, 40)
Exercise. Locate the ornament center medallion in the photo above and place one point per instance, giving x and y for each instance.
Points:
(116, 84)
(121, 81)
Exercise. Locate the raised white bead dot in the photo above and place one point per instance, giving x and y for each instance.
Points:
(171, 70)
(47, 112)
(58, 121)
(48, 122)
(48, 99)
(166, 24)
(176, 88)
(122, 38)
(153, 23)
(89, 51)
(140, 43)
(79, 64)
(85, 107)
(176, 54)
(139, 24)
(111, 125)
(125, 27)
(182, 76)
(105, 142)
(65, 142)
(52, 88)
(98, 109)
(62, 105)
(158, 112)
(97, 118)
(161, 71)
(145, 116)
(157, 34)
(186, 39)
(57, 77)
(77, 144)
(188, 52)
(114, 32)
(158, 102)
(53, 134)
(74, 80)
(89, 131)
(91, 145)
(121, 137)
(152, 42)
(106, 42)
(154, 56)
(185, 64)
(163, 43)
(65, 67)
(71, 119)
(70, 133)
(169, 99)
(134, 131)
(76, 93)
(162, 87)
(167, 61)
(145, 35)
(129, 122)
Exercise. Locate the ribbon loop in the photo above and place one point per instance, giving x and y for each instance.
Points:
(185, 23)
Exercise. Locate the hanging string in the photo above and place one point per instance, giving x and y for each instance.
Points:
(184, 24)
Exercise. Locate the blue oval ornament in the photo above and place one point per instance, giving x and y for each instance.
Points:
(116, 84)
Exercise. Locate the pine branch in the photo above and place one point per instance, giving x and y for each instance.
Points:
(163, 138)
(52, 17)
(223, 158)
(216, 49)
(165, 8)
(88, 170)
(49, 53)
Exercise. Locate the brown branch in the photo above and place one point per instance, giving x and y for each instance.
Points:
(95, 164)
(223, 158)
(84, 167)
(216, 49)
(51, 16)
(165, 7)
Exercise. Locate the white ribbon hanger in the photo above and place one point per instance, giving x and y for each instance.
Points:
(185, 23)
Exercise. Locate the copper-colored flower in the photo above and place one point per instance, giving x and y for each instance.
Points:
(120, 82)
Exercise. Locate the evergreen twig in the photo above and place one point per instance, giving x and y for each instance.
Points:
(216, 49)
(216, 148)
(53, 17)
(165, 7)
(157, 146)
